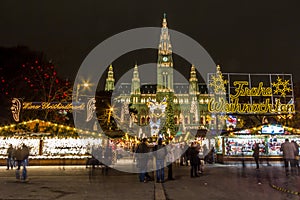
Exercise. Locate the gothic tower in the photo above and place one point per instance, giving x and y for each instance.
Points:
(110, 81)
(193, 96)
(193, 82)
(164, 63)
(135, 86)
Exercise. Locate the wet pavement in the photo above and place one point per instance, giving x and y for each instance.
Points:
(217, 182)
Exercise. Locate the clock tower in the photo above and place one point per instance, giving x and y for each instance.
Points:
(165, 62)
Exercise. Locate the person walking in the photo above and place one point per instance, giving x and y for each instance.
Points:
(194, 160)
(288, 150)
(184, 149)
(256, 154)
(10, 157)
(142, 159)
(296, 153)
(202, 152)
(160, 153)
(24, 161)
(170, 158)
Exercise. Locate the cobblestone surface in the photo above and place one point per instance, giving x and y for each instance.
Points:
(218, 182)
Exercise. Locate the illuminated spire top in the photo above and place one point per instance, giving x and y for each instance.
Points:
(218, 69)
(136, 72)
(110, 81)
(193, 88)
(193, 76)
(164, 23)
(110, 72)
(135, 83)
(164, 47)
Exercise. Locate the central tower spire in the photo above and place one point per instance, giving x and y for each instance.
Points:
(165, 60)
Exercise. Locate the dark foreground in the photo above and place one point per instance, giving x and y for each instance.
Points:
(218, 182)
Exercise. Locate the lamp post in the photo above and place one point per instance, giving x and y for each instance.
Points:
(111, 109)
(85, 85)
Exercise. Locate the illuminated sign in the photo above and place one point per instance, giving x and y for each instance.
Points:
(231, 121)
(51, 106)
(251, 93)
(272, 129)
(17, 106)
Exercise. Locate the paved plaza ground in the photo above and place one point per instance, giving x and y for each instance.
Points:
(218, 182)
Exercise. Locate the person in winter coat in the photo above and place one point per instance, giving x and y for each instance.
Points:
(194, 159)
(296, 154)
(256, 154)
(170, 158)
(160, 153)
(288, 150)
(142, 159)
(10, 157)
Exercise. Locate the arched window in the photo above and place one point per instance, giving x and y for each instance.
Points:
(143, 120)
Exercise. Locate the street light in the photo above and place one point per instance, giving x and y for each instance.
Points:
(85, 86)
(111, 109)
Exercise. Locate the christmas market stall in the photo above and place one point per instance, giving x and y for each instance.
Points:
(236, 145)
(49, 143)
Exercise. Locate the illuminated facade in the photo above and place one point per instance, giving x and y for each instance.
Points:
(197, 105)
(190, 99)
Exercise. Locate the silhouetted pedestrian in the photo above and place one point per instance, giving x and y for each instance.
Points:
(296, 153)
(194, 160)
(256, 154)
(10, 157)
(160, 153)
(170, 158)
(288, 150)
(142, 159)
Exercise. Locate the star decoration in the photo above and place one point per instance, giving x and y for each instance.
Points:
(218, 83)
(281, 87)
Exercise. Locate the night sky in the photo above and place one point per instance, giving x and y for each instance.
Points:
(242, 36)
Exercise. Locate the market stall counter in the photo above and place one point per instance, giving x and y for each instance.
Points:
(238, 147)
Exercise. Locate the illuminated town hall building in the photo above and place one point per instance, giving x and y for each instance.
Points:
(197, 106)
(190, 99)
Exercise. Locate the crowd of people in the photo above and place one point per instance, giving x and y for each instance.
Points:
(163, 154)
(167, 154)
(290, 151)
(17, 157)
(290, 156)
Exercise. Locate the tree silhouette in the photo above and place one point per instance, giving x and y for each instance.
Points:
(30, 76)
